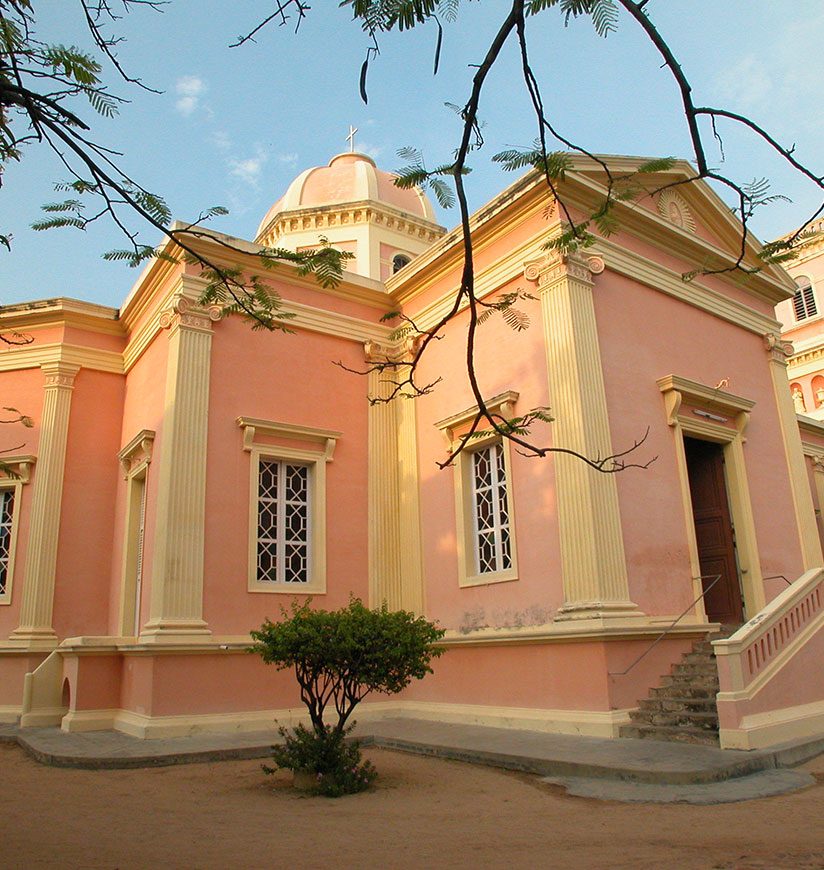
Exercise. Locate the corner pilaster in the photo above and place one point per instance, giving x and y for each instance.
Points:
(778, 351)
(176, 603)
(395, 545)
(37, 607)
(592, 547)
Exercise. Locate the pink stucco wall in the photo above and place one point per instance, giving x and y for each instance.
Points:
(143, 408)
(287, 379)
(22, 390)
(681, 340)
(506, 360)
(84, 555)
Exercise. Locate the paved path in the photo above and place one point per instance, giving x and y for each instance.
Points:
(589, 766)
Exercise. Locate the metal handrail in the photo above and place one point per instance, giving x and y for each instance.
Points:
(667, 630)
(778, 577)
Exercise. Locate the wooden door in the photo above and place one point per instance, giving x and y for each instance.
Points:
(714, 531)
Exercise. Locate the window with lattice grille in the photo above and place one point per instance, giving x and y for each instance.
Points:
(804, 301)
(491, 510)
(283, 533)
(6, 517)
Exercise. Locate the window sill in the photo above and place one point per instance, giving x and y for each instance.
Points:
(288, 588)
(488, 579)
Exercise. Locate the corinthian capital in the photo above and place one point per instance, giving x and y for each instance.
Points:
(776, 347)
(188, 315)
(553, 265)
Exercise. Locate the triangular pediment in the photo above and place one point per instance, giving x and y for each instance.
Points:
(683, 213)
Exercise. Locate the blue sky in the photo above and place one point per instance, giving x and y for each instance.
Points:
(234, 126)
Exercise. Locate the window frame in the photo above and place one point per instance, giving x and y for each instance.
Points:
(279, 537)
(808, 304)
(315, 451)
(20, 466)
(465, 508)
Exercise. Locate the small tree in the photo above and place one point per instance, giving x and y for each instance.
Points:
(340, 657)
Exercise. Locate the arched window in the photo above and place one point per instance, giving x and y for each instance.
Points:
(804, 300)
(399, 261)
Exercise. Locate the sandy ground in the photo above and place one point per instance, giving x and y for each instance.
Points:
(421, 813)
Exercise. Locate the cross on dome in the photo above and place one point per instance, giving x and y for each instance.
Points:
(351, 138)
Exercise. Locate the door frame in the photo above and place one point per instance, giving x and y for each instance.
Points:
(697, 411)
(135, 459)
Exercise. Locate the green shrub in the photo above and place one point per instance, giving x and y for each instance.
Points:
(340, 657)
(335, 762)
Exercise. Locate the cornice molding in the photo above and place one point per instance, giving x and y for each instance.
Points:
(39, 355)
(61, 310)
(349, 214)
(20, 464)
(677, 390)
(253, 427)
(502, 403)
(137, 452)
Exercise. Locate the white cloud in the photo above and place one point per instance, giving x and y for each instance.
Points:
(747, 83)
(289, 159)
(779, 78)
(373, 151)
(222, 140)
(248, 169)
(189, 90)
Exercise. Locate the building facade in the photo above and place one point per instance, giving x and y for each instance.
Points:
(187, 477)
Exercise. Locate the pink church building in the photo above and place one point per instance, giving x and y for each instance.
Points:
(187, 477)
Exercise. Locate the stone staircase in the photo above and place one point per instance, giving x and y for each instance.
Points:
(683, 707)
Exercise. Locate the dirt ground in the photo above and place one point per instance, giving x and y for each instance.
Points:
(421, 813)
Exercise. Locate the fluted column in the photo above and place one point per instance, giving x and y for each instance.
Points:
(176, 602)
(592, 547)
(44, 526)
(778, 351)
(409, 512)
(395, 547)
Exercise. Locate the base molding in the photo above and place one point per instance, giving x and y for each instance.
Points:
(590, 723)
(10, 713)
(43, 717)
(763, 730)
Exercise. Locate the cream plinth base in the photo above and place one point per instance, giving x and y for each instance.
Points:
(588, 723)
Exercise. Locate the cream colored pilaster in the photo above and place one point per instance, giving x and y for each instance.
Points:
(778, 351)
(44, 527)
(395, 547)
(818, 482)
(592, 547)
(176, 603)
(409, 513)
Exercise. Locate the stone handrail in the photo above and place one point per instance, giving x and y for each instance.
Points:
(781, 626)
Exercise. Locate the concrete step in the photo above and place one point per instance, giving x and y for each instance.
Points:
(698, 669)
(661, 732)
(684, 690)
(679, 704)
(694, 686)
(707, 720)
(699, 658)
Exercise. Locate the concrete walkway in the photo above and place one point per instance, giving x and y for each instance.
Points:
(645, 770)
